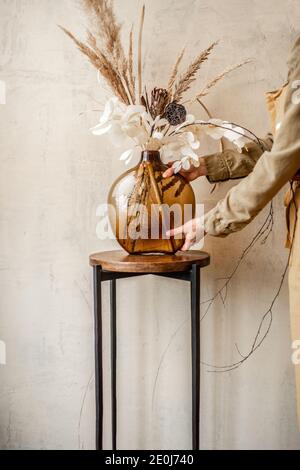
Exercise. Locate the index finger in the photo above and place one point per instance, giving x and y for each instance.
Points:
(169, 172)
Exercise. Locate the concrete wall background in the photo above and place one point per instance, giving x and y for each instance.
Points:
(54, 174)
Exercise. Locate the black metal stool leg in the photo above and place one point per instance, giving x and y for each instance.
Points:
(98, 356)
(113, 326)
(195, 339)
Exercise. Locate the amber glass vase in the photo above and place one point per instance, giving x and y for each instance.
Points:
(143, 206)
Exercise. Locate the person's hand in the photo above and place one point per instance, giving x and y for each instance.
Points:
(191, 174)
(193, 232)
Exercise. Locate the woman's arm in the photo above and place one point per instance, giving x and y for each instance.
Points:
(226, 165)
(243, 202)
(272, 171)
(230, 164)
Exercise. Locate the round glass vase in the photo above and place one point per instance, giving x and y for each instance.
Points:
(143, 206)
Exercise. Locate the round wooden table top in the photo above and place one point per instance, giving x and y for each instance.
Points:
(120, 261)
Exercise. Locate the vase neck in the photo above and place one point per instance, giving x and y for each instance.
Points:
(150, 156)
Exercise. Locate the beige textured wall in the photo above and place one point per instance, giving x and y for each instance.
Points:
(53, 175)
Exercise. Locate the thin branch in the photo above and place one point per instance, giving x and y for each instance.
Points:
(256, 140)
(140, 85)
(251, 133)
(258, 340)
(267, 317)
(265, 228)
(210, 116)
(130, 64)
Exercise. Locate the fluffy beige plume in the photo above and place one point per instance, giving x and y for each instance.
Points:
(107, 33)
(105, 50)
(101, 62)
(189, 76)
(213, 82)
(105, 25)
(174, 72)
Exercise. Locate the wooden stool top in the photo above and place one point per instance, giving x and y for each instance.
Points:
(120, 261)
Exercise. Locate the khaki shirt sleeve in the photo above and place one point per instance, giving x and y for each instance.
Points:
(230, 164)
(243, 202)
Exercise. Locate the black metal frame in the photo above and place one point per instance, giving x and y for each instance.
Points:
(192, 276)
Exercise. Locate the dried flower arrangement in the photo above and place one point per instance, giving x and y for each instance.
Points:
(157, 120)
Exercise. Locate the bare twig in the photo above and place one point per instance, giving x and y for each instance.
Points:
(264, 231)
(257, 140)
(222, 145)
(130, 64)
(140, 85)
(268, 315)
(259, 337)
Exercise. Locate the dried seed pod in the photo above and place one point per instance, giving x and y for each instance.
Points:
(175, 113)
(159, 100)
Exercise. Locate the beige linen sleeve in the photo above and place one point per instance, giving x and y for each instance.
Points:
(243, 202)
(230, 164)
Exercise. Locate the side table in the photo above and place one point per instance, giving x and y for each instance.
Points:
(113, 265)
